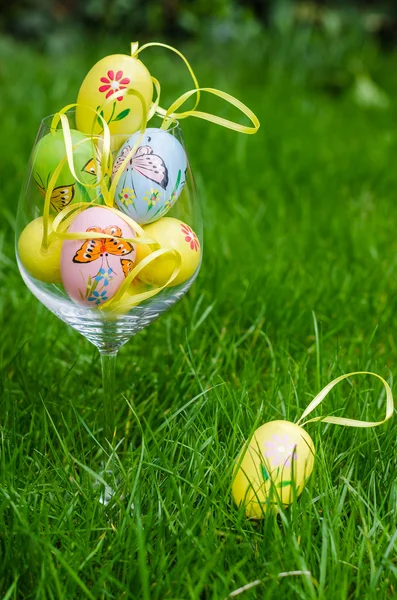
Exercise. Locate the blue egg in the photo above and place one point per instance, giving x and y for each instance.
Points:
(153, 179)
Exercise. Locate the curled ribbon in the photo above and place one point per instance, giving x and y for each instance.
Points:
(62, 217)
(135, 50)
(170, 116)
(213, 118)
(341, 420)
(115, 303)
(154, 107)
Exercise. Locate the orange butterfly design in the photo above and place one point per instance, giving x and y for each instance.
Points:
(127, 266)
(90, 166)
(93, 249)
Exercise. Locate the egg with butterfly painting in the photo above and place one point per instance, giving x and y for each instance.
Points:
(152, 180)
(93, 269)
(49, 152)
(272, 469)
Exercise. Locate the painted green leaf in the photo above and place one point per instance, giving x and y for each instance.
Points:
(122, 114)
(88, 287)
(98, 119)
(178, 179)
(265, 474)
(283, 484)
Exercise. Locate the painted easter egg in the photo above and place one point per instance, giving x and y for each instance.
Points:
(107, 77)
(41, 264)
(47, 155)
(154, 177)
(170, 233)
(273, 468)
(92, 270)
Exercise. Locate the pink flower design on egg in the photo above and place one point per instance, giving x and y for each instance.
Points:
(280, 451)
(114, 83)
(190, 237)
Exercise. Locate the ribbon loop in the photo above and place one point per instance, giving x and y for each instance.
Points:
(170, 113)
(135, 50)
(130, 302)
(341, 420)
(154, 107)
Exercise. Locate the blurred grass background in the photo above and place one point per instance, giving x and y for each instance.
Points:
(298, 285)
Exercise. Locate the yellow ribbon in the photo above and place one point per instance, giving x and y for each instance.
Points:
(170, 116)
(154, 107)
(130, 302)
(341, 420)
(127, 158)
(135, 50)
(170, 113)
(105, 153)
(60, 232)
(69, 147)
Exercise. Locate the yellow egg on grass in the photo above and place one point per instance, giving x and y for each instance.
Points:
(174, 234)
(41, 264)
(273, 468)
(102, 83)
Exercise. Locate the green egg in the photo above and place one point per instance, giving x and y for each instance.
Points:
(47, 155)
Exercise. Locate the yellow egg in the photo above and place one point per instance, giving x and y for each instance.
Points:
(108, 76)
(170, 233)
(41, 264)
(273, 468)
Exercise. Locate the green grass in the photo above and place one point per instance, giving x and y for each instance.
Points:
(298, 285)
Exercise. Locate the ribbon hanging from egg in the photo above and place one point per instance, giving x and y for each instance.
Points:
(274, 465)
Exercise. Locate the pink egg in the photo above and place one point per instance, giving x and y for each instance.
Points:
(93, 270)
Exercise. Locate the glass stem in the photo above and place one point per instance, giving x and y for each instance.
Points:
(108, 364)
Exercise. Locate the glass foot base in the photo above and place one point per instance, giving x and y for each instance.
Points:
(108, 491)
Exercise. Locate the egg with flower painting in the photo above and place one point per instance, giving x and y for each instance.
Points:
(152, 179)
(93, 269)
(169, 233)
(99, 91)
(49, 152)
(272, 469)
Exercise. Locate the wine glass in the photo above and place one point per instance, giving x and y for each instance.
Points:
(106, 329)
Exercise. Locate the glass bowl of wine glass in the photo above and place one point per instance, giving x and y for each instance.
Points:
(85, 279)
